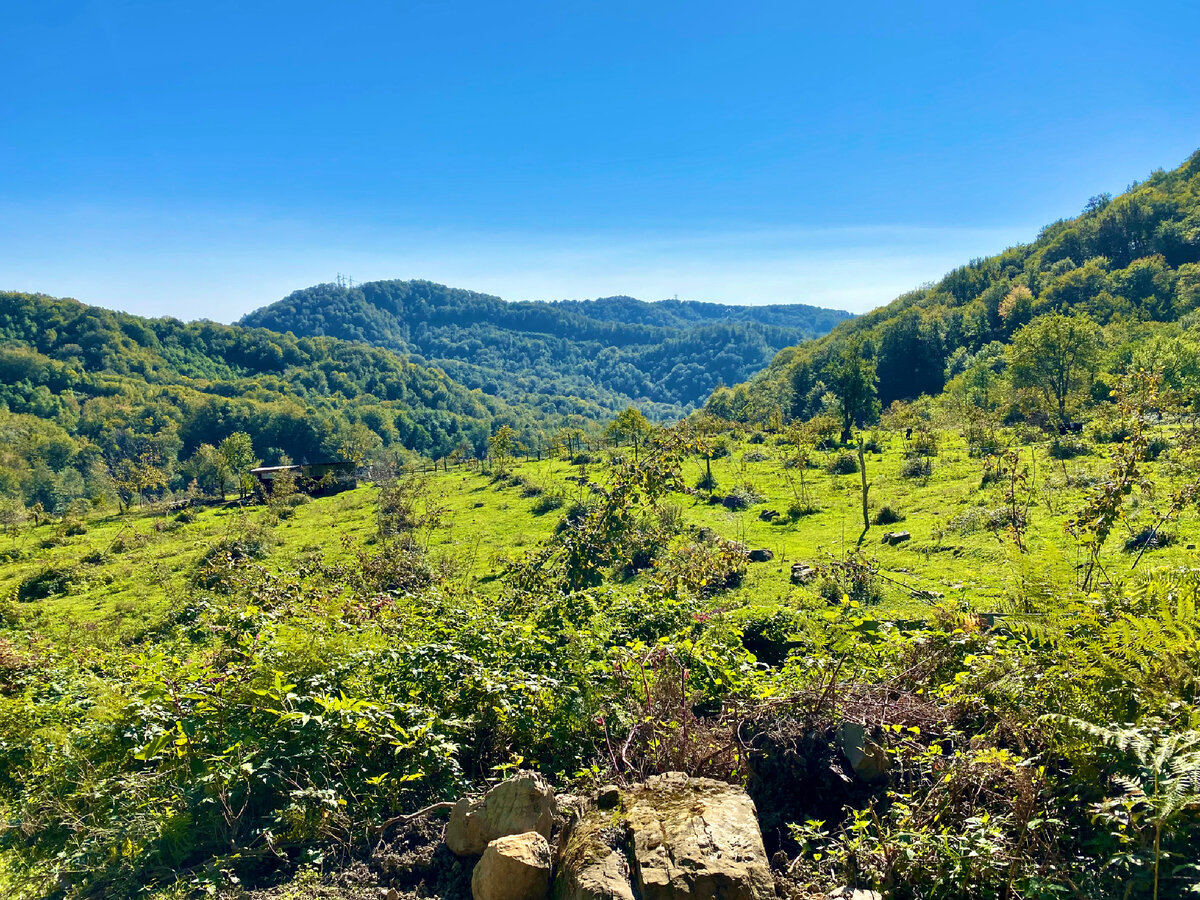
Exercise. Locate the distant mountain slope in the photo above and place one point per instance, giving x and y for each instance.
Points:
(83, 389)
(590, 357)
(1125, 260)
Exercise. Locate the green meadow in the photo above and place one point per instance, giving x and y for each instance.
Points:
(123, 573)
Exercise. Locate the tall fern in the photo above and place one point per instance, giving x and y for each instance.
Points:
(1166, 783)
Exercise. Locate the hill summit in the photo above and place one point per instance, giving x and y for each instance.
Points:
(589, 357)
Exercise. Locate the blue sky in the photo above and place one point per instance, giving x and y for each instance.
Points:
(205, 159)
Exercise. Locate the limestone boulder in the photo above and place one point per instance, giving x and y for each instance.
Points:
(687, 839)
(600, 873)
(518, 805)
(697, 838)
(514, 867)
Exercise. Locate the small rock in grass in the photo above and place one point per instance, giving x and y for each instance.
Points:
(803, 574)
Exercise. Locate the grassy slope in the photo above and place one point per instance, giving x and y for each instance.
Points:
(119, 596)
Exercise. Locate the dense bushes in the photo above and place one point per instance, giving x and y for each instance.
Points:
(916, 467)
(46, 583)
(843, 464)
(217, 568)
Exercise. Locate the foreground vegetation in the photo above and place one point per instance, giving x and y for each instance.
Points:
(207, 697)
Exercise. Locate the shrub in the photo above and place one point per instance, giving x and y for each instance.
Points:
(757, 438)
(742, 497)
(126, 541)
(1109, 432)
(991, 472)
(647, 616)
(767, 632)
(47, 582)
(843, 464)
(216, 568)
(982, 441)
(643, 543)
(1149, 539)
(1067, 448)
(670, 517)
(924, 443)
(887, 516)
(703, 568)
(402, 568)
(798, 509)
(853, 578)
(1156, 448)
(576, 513)
(546, 502)
(979, 518)
(916, 467)
(396, 512)
(74, 527)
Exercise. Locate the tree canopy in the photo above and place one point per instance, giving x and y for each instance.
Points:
(1128, 264)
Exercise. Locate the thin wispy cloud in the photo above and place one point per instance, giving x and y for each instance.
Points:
(222, 267)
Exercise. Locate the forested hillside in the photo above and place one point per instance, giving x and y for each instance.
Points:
(97, 403)
(589, 357)
(1124, 265)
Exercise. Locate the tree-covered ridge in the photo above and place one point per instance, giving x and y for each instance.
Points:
(1125, 262)
(583, 357)
(85, 391)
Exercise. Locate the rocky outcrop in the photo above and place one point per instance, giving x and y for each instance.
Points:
(514, 867)
(687, 839)
(761, 556)
(516, 806)
(593, 872)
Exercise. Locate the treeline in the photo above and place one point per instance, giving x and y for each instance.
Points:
(1130, 265)
(90, 397)
(591, 358)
